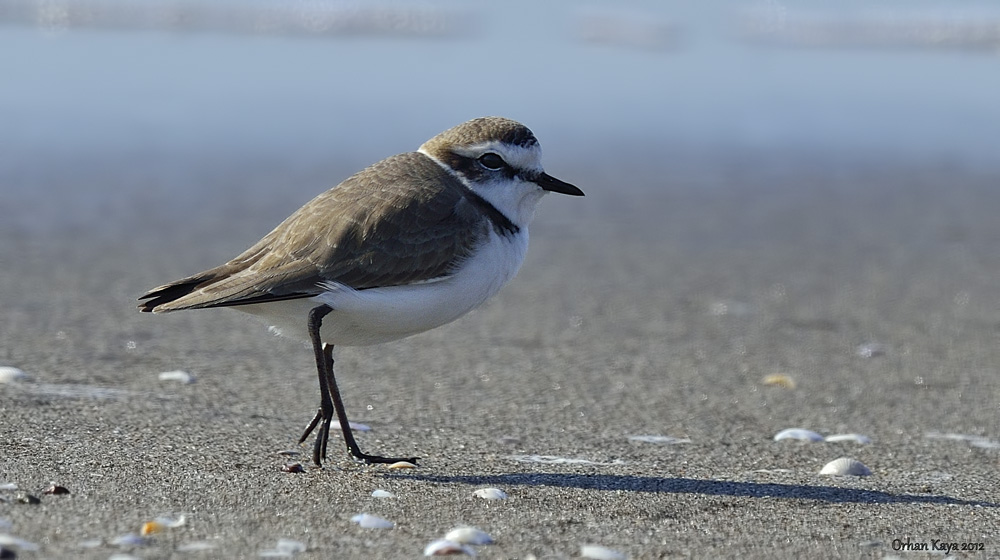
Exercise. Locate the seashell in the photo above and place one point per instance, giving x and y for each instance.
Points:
(90, 543)
(490, 494)
(284, 549)
(56, 490)
(293, 468)
(382, 494)
(445, 547)
(177, 375)
(555, 460)
(845, 466)
(12, 375)
(196, 546)
(468, 535)
(20, 544)
(368, 521)
(779, 380)
(665, 440)
(359, 427)
(402, 465)
(150, 527)
(130, 539)
(170, 522)
(600, 553)
(799, 434)
(856, 438)
(8, 486)
(290, 546)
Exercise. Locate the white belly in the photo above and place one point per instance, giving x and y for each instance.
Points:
(362, 317)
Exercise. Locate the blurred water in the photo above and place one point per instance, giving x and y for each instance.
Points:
(83, 91)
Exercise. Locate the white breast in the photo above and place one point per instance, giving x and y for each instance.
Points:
(363, 317)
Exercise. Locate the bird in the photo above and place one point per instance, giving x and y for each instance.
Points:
(406, 245)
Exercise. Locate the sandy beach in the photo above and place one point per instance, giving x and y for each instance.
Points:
(655, 306)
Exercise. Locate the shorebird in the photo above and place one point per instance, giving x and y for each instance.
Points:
(406, 245)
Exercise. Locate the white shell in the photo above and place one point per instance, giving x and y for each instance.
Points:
(468, 535)
(856, 438)
(600, 553)
(285, 548)
(368, 521)
(177, 375)
(490, 494)
(799, 434)
(8, 486)
(382, 494)
(130, 539)
(359, 427)
(845, 466)
(171, 522)
(666, 440)
(401, 465)
(196, 546)
(444, 547)
(11, 374)
(20, 544)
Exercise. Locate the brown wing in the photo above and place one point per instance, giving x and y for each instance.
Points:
(402, 220)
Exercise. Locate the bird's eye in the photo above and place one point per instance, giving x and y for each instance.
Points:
(492, 161)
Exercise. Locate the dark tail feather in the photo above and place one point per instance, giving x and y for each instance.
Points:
(170, 292)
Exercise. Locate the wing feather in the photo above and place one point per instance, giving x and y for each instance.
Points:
(402, 220)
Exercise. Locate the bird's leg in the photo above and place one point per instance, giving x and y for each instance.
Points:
(331, 401)
(325, 411)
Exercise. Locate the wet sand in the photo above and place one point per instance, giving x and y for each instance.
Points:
(654, 306)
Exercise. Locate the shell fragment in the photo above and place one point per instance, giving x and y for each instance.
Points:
(490, 494)
(468, 535)
(845, 466)
(799, 434)
(368, 521)
(444, 547)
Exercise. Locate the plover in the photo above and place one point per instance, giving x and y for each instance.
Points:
(412, 242)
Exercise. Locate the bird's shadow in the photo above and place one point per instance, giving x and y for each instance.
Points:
(629, 483)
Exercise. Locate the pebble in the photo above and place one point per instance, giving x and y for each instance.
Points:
(871, 350)
(56, 490)
(798, 434)
(293, 468)
(444, 547)
(490, 494)
(368, 521)
(23, 498)
(600, 553)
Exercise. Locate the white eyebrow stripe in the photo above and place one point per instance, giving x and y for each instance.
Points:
(527, 159)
